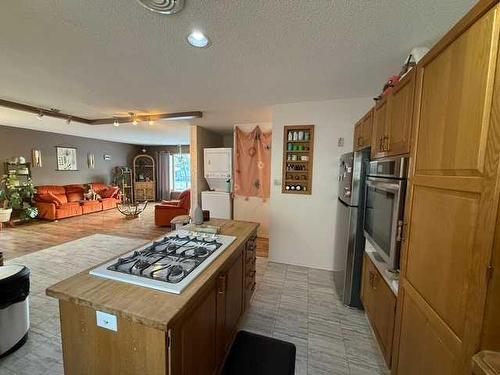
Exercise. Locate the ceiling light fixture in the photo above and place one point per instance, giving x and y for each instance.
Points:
(116, 123)
(198, 39)
(134, 118)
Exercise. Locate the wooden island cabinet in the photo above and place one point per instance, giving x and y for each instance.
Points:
(159, 333)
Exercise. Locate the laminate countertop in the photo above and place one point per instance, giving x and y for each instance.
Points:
(147, 306)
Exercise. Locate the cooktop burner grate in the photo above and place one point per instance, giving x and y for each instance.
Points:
(170, 259)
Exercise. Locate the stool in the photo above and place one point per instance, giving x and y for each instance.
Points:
(253, 354)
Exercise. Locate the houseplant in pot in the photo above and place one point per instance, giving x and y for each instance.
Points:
(5, 207)
(17, 198)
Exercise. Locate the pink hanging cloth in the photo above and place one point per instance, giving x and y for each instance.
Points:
(252, 163)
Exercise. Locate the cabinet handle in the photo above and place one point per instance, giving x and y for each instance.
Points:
(221, 284)
(375, 281)
(386, 143)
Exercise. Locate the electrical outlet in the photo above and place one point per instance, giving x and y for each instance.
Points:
(340, 142)
(106, 321)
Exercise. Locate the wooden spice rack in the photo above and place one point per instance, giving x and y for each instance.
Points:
(298, 149)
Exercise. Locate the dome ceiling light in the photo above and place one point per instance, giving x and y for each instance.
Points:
(163, 6)
(198, 39)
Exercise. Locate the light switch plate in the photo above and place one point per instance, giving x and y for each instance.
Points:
(107, 321)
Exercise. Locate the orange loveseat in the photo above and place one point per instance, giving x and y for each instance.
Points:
(58, 202)
(167, 210)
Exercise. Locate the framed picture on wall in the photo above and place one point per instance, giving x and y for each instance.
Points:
(66, 159)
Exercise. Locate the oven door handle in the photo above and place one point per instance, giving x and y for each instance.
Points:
(386, 186)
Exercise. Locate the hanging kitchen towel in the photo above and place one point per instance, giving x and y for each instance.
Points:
(253, 163)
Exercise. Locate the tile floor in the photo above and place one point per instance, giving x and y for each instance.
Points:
(295, 304)
(42, 353)
(300, 305)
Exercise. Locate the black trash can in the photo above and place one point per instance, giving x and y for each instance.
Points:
(253, 354)
(14, 307)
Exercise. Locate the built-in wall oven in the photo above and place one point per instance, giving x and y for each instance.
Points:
(384, 204)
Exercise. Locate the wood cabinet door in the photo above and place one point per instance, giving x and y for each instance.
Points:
(366, 290)
(380, 306)
(379, 131)
(366, 130)
(234, 299)
(384, 302)
(363, 132)
(400, 117)
(358, 136)
(194, 339)
(453, 201)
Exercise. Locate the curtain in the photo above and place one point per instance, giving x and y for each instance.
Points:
(252, 163)
(163, 183)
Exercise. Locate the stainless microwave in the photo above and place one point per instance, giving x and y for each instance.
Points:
(384, 205)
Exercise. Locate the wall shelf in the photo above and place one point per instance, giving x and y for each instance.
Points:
(297, 140)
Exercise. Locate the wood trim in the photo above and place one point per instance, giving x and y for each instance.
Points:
(99, 121)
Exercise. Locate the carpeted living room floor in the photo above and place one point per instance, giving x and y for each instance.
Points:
(38, 235)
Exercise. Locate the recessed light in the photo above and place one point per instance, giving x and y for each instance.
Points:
(198, 39)
(116, 123)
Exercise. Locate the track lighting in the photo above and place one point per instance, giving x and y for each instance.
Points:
(132, 117)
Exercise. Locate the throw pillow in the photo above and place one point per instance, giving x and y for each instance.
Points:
(49, 198)
(110, 192)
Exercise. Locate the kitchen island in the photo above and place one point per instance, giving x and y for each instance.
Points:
(147, 331)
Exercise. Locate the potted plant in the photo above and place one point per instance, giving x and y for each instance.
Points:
(14, 196)
(5, 206)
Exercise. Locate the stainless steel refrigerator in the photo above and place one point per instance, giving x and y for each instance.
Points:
(349, 238)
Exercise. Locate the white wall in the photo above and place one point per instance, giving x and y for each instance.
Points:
(302, 227)
(253, 209)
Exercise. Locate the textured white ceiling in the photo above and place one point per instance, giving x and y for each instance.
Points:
(98, 58)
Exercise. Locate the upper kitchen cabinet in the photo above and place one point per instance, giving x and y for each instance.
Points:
(392, 120)
(379, 131)
(363, 132)
(454, 183)
(397, 141)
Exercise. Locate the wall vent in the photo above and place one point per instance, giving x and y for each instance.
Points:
(163, 6)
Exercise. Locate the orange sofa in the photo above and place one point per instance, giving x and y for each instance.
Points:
(58, 202)
(167, 210)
